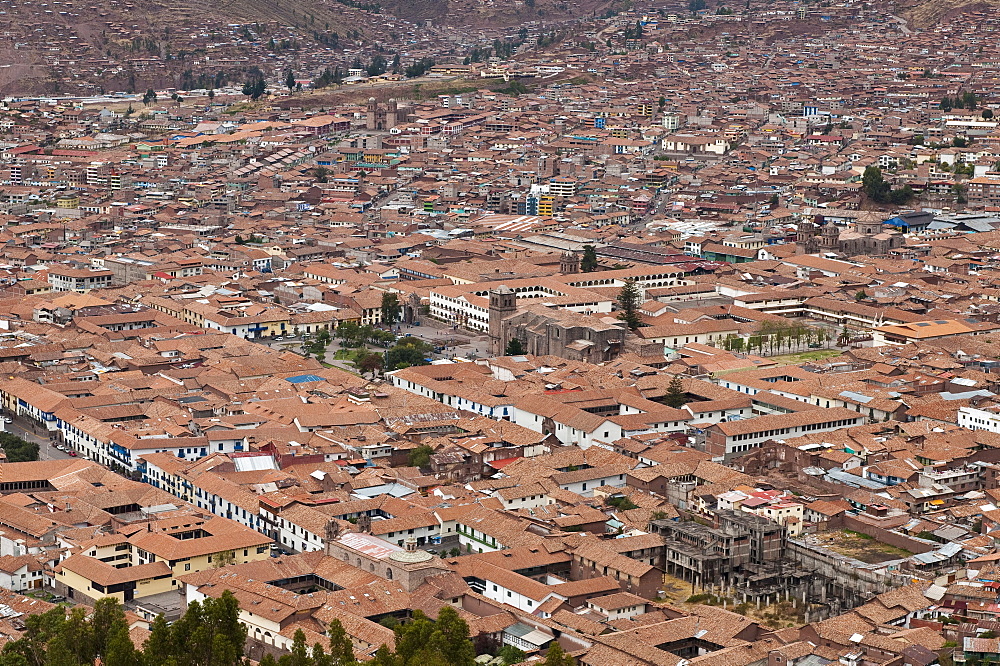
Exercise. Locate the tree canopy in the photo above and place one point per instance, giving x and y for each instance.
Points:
(17, 449)
(208, 634)
(255, 87)
(514, 348)
(391, 308)
(676, 396)
(408, 352)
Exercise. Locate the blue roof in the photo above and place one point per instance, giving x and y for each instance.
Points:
(302, 379)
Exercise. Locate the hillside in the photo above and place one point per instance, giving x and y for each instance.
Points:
(492, 13)
(926, 13)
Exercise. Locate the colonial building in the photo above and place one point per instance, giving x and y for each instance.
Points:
(381, 118)
(868, 237)
(546, 330)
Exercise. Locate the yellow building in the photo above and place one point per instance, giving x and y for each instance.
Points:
(68, 201)
(149, 559)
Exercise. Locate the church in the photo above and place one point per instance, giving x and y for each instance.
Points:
(868, 237)
(548, 330)
(380, 117)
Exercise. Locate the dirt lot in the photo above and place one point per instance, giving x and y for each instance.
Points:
(860, 547)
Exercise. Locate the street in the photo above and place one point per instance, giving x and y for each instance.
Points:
(21, 428)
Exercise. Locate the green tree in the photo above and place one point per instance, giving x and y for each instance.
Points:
(629, 300)
(255, 87)
(391, 308)
(341, 647)
(158, 648)
(945, 104)
(17, 449)
(588, 263)
(290, 80)
(623, 503)
(902, 195)
(408, 352)
(557, 657)
(514, 348)
(874, 185)
(321, 174)
(987, 114)
(149, 97)
(383, 657)
(299, 654)
(414, 637)
(420, 456)
(450, 638)
(209, 632)
(30, 649)
(119, 649)
(79, 636)
(377, 67)
(107, 612)
(369, 362)
(676, 396)
(511, 655)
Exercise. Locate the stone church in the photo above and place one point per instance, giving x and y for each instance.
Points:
(546, 330)
(868, 237)
(381, 117)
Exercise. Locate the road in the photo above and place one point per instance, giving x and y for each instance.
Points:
(902, 25)
(22, 428)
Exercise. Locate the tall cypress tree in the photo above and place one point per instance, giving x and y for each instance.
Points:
(629, 300)
(451, 638)
(119, 649)
(341, 647)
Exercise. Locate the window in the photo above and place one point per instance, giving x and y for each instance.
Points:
(187, 566)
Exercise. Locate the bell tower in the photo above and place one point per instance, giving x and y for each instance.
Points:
(392, 114)
(569, 263)
(830, 238)
(503, 303)
(371, 119)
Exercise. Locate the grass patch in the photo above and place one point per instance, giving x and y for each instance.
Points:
(802, 357)
(861, 547)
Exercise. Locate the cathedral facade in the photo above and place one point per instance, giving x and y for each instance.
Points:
(868, 237)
